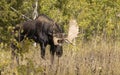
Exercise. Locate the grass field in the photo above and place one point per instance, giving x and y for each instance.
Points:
(91, 58)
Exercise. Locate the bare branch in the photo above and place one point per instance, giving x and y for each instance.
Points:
(20, 13)
(35, 13)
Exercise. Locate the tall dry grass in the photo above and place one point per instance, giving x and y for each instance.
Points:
(91, 58)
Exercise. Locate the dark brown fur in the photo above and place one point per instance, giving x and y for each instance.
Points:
(41, 30)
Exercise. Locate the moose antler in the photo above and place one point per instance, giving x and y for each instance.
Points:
(73, 31)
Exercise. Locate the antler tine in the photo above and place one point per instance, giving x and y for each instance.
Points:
(67, 41)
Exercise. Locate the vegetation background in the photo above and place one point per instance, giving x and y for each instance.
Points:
(97, 49)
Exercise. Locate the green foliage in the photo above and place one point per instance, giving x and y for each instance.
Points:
(95, 18)
(98, 17)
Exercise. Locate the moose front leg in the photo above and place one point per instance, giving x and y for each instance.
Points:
(52, 52)
(43, 46)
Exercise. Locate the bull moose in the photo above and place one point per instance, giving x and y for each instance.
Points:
(44, 31)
